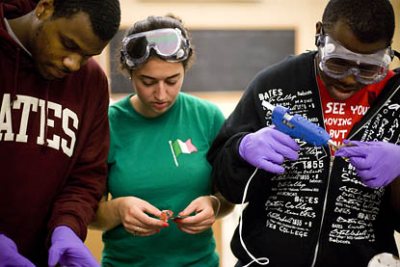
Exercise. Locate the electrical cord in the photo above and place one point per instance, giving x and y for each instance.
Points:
(263, 260)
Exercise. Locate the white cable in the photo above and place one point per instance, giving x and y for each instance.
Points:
(262, 260)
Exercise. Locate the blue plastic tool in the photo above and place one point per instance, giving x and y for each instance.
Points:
(298, 126)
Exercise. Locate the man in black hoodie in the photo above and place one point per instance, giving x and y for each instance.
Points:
(54, 134)
(308, 206)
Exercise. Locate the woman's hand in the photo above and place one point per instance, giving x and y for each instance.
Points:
(135, 216)
(205, 209)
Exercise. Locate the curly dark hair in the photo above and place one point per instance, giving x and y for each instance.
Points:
(104, 15)
(369, 20)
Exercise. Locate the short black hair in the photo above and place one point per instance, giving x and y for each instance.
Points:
(104, 15)
(369, 20)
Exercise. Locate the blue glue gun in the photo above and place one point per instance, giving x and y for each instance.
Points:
(298, 126)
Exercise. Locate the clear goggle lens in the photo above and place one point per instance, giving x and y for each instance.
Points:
(338, 62)
(168, 43)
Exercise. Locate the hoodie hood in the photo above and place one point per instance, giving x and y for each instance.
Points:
(10, 9)
(17, 8)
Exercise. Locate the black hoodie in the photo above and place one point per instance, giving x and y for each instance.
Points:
(317, 213)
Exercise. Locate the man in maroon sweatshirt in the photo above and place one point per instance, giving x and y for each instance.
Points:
(54, 134)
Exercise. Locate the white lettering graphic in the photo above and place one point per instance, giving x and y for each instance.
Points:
(5, 119)
(335, 108)
(60, 123)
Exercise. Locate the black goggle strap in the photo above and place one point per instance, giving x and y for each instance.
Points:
(320, 36)
(395, 54)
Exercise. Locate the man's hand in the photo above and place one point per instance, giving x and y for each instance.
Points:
(9, 255)
(68, 250)
(376, 163)
(268, 148)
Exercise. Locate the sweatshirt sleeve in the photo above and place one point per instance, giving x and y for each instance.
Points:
(77, 202)
(218, 121)
(230, 172)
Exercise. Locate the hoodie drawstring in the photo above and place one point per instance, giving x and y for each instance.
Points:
(46, 113)
(14, 88)
(14, 95)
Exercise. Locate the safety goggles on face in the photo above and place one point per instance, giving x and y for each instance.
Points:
(338, 62)
(168, 43)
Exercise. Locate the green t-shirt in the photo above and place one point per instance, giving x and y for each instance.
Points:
(145, 162)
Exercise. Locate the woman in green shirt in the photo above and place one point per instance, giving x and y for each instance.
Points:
(162, 204)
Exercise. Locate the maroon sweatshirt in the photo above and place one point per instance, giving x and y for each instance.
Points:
(54, 140)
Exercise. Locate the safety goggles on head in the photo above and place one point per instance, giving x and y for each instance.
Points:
(168, 43)
(338, 62)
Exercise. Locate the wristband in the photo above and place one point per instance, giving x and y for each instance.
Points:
(218, 204)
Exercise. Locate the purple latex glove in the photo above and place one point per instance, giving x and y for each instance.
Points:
(376, 163)
(267, 149)
(68, 250)
(9, 255)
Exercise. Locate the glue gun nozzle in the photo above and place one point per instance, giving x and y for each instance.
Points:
(332, 144)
